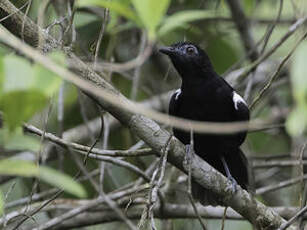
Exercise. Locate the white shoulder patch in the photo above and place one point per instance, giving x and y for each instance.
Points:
(177, 93)
(237, 99)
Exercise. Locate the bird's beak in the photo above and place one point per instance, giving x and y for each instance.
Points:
(167, 50)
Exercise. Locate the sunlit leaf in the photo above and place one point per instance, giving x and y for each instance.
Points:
(151, 13)
(18, 73)
(26, 88)
(47, 82)
(297, 120)
(19, 106)
(30, 76)
(181, 18)
(120, 7)
(62, 181)
(50, 176)
(298, 72)
(17, 140)
(18, 168)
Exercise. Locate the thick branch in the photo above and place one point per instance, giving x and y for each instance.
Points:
(31, 32)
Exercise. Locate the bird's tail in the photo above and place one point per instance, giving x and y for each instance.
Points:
(238, 166)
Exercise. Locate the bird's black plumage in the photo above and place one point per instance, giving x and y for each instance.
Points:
(205, 96)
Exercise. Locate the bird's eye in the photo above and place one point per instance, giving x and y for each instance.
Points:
(190, 50)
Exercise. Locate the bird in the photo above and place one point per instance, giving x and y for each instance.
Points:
(206, 96)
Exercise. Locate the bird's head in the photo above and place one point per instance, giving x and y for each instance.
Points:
(188, 58)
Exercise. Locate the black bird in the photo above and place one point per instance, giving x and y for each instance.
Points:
(205, 96)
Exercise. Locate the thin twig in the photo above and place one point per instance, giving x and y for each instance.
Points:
(83, 169)
(137, 71)
(38, 162)
(244, 28)
(60, 120)
(271, 28)
(120, 67)
(39, 196)
(278, 44)
(102, 158)
(189, 158)
(303, 186)
(280, 185)
(224, 218)
(291, 221)
(275, 74)
(266, 41)
(153, 195)
(29, 3)
(277, 163)
(101, 33)
(7, 194)
(11, 14)
(106, 133)
(94, 152)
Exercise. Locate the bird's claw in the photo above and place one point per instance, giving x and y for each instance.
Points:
(187, 149)
(188, 156)
(234, 184)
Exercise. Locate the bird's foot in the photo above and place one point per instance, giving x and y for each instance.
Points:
(189, 152)
(234, 183)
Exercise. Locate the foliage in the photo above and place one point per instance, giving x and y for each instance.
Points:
(26, 89)
(31, 93)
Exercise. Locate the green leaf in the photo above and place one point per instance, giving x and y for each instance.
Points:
(19, 106)
(222, 53)
(62, 181)
(50, 176)
(46, 81)
(28, 76)
(297, 121)
(18, 73)
(18, 168)
(17, 140)
(120, 7)
(248, 6)
(181, 18)
(151, 13)
(298, 72)
(26, 88)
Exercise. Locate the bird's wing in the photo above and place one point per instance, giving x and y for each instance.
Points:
(235, 105)
(240, 113)
(240, 108)
(174, 103)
